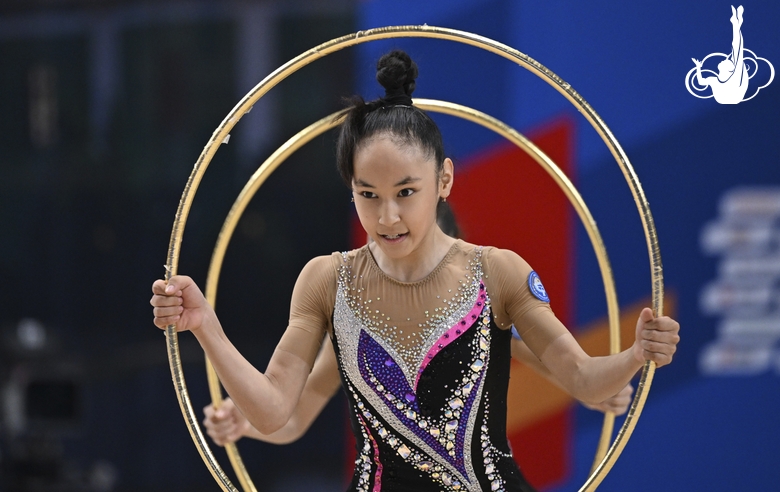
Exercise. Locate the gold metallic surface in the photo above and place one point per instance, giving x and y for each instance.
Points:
(215, 391)
(218, 256)
(223, 130)
(190, 418)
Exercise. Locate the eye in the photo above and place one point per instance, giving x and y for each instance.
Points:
(367, 194)
(406, 192)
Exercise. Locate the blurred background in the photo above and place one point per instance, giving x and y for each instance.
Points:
(106, 105)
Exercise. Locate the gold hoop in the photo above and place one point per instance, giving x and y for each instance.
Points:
(609, 455)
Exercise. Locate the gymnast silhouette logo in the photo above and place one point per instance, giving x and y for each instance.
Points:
(731, 83)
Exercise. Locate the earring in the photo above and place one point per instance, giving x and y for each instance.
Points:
(352, 199)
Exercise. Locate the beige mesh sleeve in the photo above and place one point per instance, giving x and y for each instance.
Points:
(311, 309)
(506, 280)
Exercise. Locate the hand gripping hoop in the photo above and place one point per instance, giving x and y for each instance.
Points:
(606, 454)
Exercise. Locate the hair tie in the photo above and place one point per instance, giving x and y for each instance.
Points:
(396, 97)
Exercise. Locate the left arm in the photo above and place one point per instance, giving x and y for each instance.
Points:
(227, 424)
(588, 379)
(594, 379)
(617, 404)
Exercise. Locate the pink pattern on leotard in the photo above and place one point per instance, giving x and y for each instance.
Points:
(378, 475)
(453, 333)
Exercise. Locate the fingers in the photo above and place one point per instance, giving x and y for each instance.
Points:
(646, 315)
(657, 337)
(167, 310)
(627, 391)
(165, 294)
(163, 321)
(613, 406)
(619, 403)
(167, 300)
(222, 424)
(173, 286)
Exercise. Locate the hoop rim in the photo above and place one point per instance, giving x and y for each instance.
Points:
(487, 44)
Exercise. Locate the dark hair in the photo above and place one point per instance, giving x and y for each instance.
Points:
(393, 115)
(446, 220)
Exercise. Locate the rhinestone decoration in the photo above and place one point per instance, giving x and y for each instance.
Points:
(363, 461)
(419, 459)
(410, 350)
(443, 436)
(381, 375)
(490, 454)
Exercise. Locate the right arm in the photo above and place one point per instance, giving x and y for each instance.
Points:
(228, 424)
(267, 399)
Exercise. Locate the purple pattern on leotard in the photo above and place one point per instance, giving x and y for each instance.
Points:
(385, 378)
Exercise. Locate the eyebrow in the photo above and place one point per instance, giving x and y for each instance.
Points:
(404, 181)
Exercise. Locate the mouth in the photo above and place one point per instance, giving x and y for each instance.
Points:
(393, 237)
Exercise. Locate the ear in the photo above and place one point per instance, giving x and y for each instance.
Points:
(446, 177)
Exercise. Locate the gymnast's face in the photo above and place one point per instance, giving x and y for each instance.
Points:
(396, 190)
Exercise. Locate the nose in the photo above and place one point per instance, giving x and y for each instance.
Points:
(388, 213)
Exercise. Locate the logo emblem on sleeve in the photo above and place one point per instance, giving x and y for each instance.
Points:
(537, 289)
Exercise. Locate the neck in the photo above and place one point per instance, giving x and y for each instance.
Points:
(420, 263)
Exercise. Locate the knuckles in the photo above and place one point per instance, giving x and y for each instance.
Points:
(178, 281)
(660, 359)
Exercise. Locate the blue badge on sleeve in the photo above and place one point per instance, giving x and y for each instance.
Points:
(537, 289)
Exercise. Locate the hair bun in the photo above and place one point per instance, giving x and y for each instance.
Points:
(396, 72)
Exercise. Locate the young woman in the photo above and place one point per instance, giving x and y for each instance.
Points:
(419, 321)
